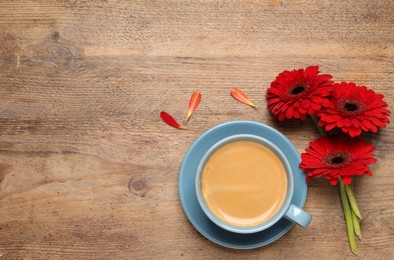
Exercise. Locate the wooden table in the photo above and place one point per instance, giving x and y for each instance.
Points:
(88, 169)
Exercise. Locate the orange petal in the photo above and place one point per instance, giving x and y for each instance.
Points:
(169, 120)
(193, 104)
(241, 97)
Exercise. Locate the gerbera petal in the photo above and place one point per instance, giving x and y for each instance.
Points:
(289, 75)
(276, 108)
(364, 124)
(377, 122)
(315, 106)
(373, 128)
(357, 131)
(331, 118)
(330, 126)
(361, 150)
(273, 101)
(364, 121)
(351, 132)
(378, 112)
(305, 103)
(313, 153)
(319, 146)
(324, 82)
(297, 113)
(340, 122)
(312, 70)
(347, 179)
(274, 91)
(290, 112)
(333, 182)
(281, 116)
(355, 122)
(302, 110)
(284, 107)
(345, 129)
(311, 111)
(347, 122)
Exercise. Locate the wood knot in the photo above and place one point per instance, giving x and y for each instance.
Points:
(55, 36)
(61, 55)
(138, 186)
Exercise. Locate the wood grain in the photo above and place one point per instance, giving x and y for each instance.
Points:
(89, 171)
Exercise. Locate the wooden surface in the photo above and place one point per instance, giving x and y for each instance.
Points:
(88, 169)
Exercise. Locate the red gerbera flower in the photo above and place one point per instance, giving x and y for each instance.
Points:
(337, 157)
(297, 93)
(353, 109)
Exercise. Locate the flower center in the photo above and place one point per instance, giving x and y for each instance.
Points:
(351, 106)
(297, 89)
(337, 159)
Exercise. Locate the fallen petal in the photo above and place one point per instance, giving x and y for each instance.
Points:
(169, 120)
(241, 97)
(193, 104)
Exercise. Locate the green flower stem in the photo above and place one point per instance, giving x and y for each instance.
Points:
(356, 218)
(321, 130)
(356, 225)
(348, 217)
(352, 200)
(349, 204)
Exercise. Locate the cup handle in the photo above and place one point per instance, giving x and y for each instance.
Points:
(298, 216)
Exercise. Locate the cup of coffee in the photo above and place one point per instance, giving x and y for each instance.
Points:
(244, 184)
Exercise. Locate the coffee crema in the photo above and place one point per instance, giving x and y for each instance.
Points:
(244, 183)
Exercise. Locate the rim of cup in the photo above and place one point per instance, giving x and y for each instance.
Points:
(249, 229)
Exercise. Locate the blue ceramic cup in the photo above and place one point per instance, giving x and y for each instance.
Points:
(287, 210)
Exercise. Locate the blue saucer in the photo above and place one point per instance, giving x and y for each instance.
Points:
(189, 199)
